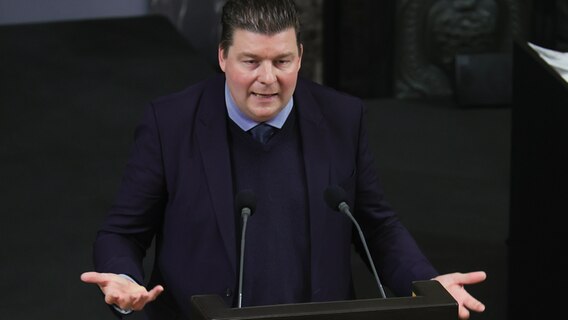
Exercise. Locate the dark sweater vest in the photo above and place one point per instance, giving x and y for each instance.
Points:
(277, 257)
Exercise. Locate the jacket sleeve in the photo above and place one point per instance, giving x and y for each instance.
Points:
(132, 221)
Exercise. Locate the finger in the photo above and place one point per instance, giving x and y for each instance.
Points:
(150, 296)
(472, 277)
(463, 313)
(474, 304)
(112, 299)
(120, 300)
(155, 292)
(139, 303)
(94, 277)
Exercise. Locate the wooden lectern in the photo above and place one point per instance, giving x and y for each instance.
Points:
(430, 301)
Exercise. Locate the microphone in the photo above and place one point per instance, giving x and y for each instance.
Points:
(335, 197)
(246, 204)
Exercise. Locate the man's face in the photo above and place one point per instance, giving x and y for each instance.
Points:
(261, 71)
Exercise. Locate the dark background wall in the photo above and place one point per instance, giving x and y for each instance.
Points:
(359, 42)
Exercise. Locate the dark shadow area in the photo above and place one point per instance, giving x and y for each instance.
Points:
(538, 187)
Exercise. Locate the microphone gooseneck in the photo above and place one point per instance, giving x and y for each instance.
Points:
(336, 198)
(246, 204)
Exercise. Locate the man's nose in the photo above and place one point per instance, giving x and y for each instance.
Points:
(267, 73)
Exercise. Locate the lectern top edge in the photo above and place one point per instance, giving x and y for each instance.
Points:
(430, 301)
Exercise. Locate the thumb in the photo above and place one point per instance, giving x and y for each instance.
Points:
(155, 292)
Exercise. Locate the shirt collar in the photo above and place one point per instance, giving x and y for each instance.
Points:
(247, 123)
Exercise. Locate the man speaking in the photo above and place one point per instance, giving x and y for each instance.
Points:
(257, 127)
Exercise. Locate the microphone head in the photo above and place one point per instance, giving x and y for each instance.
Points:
(334, 195)
(246, 199)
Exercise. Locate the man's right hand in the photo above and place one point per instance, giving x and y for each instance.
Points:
(122, 292)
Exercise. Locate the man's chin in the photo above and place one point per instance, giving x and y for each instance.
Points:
(264, 113)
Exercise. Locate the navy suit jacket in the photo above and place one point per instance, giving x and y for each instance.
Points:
(177, 188)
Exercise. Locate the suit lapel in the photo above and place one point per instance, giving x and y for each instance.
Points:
(315, 141)
(213, 144)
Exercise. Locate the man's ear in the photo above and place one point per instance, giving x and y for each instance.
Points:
(221, 57)
(301, 48)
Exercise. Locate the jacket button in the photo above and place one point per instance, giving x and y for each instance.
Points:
(228, 292)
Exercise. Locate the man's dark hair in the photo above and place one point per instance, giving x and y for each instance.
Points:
(259, 16)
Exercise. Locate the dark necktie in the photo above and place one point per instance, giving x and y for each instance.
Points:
(262, 132)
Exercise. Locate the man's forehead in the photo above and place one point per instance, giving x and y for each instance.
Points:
(248, 41)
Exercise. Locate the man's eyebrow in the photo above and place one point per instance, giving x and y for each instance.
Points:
(285, 55)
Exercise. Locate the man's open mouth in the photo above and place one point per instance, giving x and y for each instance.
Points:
(264, 95)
